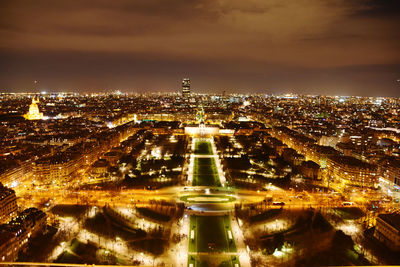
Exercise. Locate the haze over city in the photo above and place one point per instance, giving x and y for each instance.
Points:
(305, 47)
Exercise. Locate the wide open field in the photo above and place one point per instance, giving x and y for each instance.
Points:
(205, 172)
(210, 234)
(203, 148)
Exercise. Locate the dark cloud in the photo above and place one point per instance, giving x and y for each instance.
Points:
(380, 8)
(242, 45)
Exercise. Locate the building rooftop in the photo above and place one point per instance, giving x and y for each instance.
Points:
(5, 236)
(310, 164)
(392, 218)
(5, 192)
(100, 163)
(351, 161)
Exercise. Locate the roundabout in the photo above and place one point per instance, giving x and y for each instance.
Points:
(207, 199)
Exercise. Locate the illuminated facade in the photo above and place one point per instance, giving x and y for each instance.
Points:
(387, 230)
(203, 131)
(8, 204)
(11, 175)
(122, 120)
(186, 87)
(389, 176)
(33, 113)
(14, 235)
(56, 169)
(352, 172)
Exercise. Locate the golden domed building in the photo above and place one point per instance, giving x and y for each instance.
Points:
(33, 113)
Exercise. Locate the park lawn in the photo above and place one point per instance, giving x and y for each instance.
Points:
(103, 225)
(205, 165)
(203, 148)
(81, 253)
(80, 248)
(219, 260)
(206, 180)
(153, 215)
(349, 213)
(235, 261)
(154, 246)
(230, 262)
(65, 210)
(205, 172)
(211, 234)
(191, 260)
(266, 215)
(67, 257)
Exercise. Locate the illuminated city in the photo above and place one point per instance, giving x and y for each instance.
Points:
(235, 179)
(141, 133)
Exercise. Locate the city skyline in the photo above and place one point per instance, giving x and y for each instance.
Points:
(196, 133)
(318, 47)
(219, 180)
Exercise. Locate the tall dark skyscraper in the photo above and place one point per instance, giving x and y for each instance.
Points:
(186, 87)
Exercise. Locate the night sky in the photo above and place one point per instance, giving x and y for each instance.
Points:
(337, 47)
